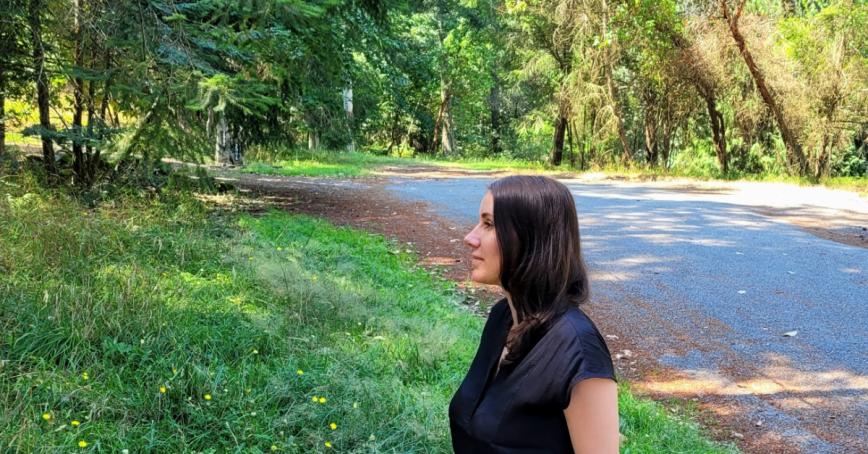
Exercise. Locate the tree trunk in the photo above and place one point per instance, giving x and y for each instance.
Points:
(494, 106)
(627, 154)
(2, 115)
(557, 152)
(666, 139)
(570, 130)
(443, 126)
(312, 140)
(718, 129)
(438, 122)
(348, 110)
(34, 11)
(446, 127)
(795, 156)
(650, 132)
(823, 160)
(228, 147)
(78, 95)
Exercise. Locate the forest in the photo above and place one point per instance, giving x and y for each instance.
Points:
(710, 87)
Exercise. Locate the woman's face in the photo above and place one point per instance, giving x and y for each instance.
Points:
(484, 250)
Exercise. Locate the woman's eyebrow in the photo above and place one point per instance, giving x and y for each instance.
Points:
(486, 215)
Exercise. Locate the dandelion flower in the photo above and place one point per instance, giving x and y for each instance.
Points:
(162, 390)
(46, 416)
(75, 423)
(255, 351)
(82, 444)
(333, 426)
(314, 398)
(299, 372)
(328, 444)
(207, 397)
(274, 447)
(85, 376)
(322, 400)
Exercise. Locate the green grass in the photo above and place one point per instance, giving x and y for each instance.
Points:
(101, 308)
(325, 163)
(318, 163)
(652, 428)
(489, 164)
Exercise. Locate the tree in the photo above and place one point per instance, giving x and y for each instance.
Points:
(40, 72)
(796, 156)
(13, 58)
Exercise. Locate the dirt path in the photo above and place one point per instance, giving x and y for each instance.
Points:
(364, 204)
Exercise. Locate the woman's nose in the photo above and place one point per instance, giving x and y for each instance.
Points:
(471, 241)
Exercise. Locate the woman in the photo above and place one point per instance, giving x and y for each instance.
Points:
(542, 380)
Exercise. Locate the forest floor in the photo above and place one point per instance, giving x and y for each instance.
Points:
(367, 204)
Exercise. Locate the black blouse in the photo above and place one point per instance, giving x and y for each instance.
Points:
(521, 409)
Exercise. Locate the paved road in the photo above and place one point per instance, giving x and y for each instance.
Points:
(711, 286)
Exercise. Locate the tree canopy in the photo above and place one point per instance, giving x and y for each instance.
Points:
(726, 85)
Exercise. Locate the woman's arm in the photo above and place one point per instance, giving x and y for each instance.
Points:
(592, 416)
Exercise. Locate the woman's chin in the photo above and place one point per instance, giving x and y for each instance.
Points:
(480, 278)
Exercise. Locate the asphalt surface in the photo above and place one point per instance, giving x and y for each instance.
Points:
(713, 287)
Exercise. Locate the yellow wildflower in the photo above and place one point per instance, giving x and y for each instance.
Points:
(207, 397)
(162, 390)
(75, 423)
(315, 399)
(46, 416)
(85, 376)
(82, 444)
(255, 351)
(333, 426)
(299, 372)
(274, 447)
(322, 400)
(328, 444)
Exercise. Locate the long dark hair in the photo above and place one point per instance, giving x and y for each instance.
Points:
(541, 259)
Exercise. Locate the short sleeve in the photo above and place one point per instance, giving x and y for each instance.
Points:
(576, 352)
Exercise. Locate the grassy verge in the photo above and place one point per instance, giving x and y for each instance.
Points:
(329, 163)
(157, 325)
(320, 163)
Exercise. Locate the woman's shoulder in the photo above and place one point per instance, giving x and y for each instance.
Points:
(499, 309)
(575, 326)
